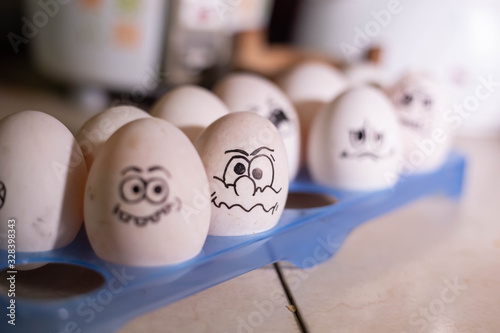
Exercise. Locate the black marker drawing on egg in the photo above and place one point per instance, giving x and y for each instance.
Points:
(3, 194)
(246, 176)
(135, 189)
(366, 142)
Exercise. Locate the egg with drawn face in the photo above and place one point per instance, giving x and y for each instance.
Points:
(355, 142)
(246, 163)
(420, 103)
(249, 92)
(140, 199)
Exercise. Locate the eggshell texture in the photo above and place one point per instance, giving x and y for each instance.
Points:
(42, 181)
(141, 206)
(421, 105)
(190, 108)
(248, 92)
(310, 86)
(246, 164)
(99, 128)
(355, 142)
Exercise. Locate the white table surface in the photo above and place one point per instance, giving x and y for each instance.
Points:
(432, 266)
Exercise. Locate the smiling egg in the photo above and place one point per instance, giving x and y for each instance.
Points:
(99, 128)
(42, 180)
(249, 92)
(310, 86)
(246, 163)
(421, 105)
(190, 108)
(142, 205)
(355, 142)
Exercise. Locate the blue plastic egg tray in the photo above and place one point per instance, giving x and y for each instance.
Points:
(299, 237)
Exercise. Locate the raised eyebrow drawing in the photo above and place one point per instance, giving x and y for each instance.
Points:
(241, 151)
(131, 168)
(256, 151)
(160, 168)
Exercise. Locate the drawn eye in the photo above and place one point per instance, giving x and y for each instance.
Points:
(133, 189)
(427, 103)
(277, 117)
(357, 138)
(157, 190)
(407, 99)
(262, 171)
(235, 168)
(378, 139)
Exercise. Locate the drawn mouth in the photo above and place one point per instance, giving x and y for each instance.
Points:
(366, 154)
(144, 220)
(412, 124)
(229, 206)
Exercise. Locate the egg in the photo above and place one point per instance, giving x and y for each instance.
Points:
(421, 105)
(42, 181)
(246, 163)
(355, 142)
(248, 92)
(99, 128)
(365, 73)
(310, 86)
(190, 108)
(142, 198)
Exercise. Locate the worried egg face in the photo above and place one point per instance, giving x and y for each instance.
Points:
(420, 104)
(246, 164)
(248, 92)
(140, 206)
(355, 143)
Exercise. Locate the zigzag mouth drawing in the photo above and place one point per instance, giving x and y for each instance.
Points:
(366, 154)
(412, 124)
(144, 220)
(266, 210)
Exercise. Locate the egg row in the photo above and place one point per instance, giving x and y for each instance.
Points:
(154, 190)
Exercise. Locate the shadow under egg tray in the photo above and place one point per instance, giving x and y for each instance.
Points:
(300, 235)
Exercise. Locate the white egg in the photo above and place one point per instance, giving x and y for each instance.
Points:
(246, 163)
(99, 128)
(248, 92)
(310, 86)
(42, 181)
(142, 199)
(355, 142)
(421, 105)
(361, 74)
(190, 108)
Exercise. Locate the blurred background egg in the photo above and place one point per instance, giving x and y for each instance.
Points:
(421, 106)
(99, 128)
(249, 92)
(355, 142)
(246, 163)
(140, 207)
(42, 180)
(310, 86)
(190, 108)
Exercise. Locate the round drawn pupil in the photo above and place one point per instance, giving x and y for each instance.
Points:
(257, 173)
(158, 189)
(408, 99)
(136, 189)
(239, 169)
(361, 135)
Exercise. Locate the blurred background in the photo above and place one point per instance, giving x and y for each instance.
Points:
(96, 53)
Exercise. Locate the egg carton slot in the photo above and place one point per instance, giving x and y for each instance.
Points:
(297, 238)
